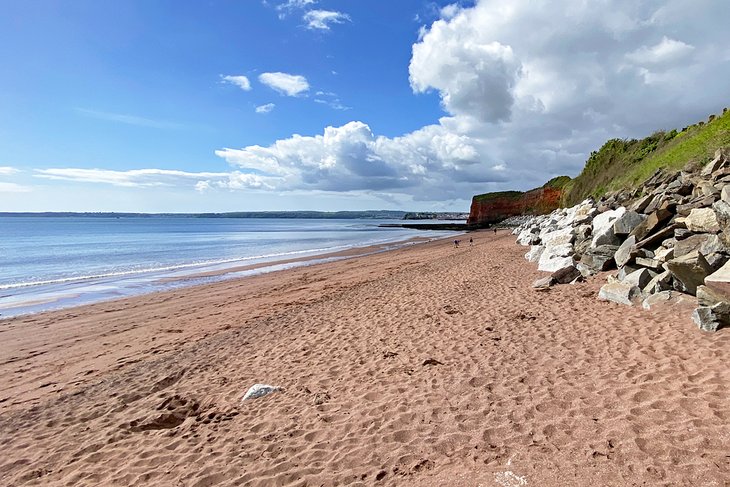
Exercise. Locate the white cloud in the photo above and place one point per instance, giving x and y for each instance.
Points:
(331, 100)
(284, 83)
(128, 119)
(7, 170)
(130, 178)
(238, 80)
(666, 51)
(265, 108)
(352, 158)
(322, 19)
(14, 188)
(528, 94)
(291, 5)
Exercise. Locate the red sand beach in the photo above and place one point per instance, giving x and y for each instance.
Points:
(427, 365)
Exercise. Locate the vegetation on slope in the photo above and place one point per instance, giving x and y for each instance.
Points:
(625, 164)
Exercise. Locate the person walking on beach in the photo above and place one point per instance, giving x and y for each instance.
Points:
(471, 242)
(495, 230)
(456, 244)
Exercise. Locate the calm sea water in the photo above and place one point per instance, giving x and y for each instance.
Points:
(55, 262)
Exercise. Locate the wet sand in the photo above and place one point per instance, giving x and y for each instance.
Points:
(426, 365)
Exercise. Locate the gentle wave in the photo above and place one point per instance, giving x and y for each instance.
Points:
(170, 268)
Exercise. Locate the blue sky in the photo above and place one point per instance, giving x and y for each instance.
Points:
(328, 105)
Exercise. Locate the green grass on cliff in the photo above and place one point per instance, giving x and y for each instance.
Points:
(499, 194)
(625, 164)
(557, 182)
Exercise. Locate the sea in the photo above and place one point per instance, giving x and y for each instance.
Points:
(54, 262)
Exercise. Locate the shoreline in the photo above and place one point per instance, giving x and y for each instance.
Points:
(84, 291)
(427, 365)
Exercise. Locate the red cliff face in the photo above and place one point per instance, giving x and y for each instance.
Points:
(490, 208)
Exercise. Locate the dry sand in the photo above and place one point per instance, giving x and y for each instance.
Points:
(423, 366)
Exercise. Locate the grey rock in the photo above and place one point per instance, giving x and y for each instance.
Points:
(599, 258)
(566, 274)
(664, 253)
(712, 245)
(660, 282)
(706, 296)
(722, 214)
(639, 278)
(625, 271)
(259, 390)
(706, 319)
(655, 202)
(725, 193)
(543, 283)
(658, 298)
(689, 244)
(690, 270)
(651, 223)
(719, 281)
(619, 292)
(653, 264)
(716, 260)
(640, 205)
(715, 164)
(682, 233)
(626, 252)
(627, 222)
(584, 270)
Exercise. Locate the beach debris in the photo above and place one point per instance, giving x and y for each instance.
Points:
(432, 361)
(321, 398)
(509, 479)
(450, 310)
(259, 390)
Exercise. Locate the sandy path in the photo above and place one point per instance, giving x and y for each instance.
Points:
(423, 366)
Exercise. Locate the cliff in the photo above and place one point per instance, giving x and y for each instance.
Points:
(489, 208)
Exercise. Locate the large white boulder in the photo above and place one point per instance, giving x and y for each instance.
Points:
(558, 237)
(551, 262)
(603, 227)
(534, 254)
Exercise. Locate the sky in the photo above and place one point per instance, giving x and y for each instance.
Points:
(251, 105)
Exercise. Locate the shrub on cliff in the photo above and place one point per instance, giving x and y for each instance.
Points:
(622, 164)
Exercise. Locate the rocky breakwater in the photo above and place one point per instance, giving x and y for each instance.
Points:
(489, 208)
(671, 237)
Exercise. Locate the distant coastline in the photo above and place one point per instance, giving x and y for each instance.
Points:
(333, 215)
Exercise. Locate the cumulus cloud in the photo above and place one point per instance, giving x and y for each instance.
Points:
(352, 158)
(528, 93)
(265, 108)
(284, 83)
(237, 80)
(322, 19)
